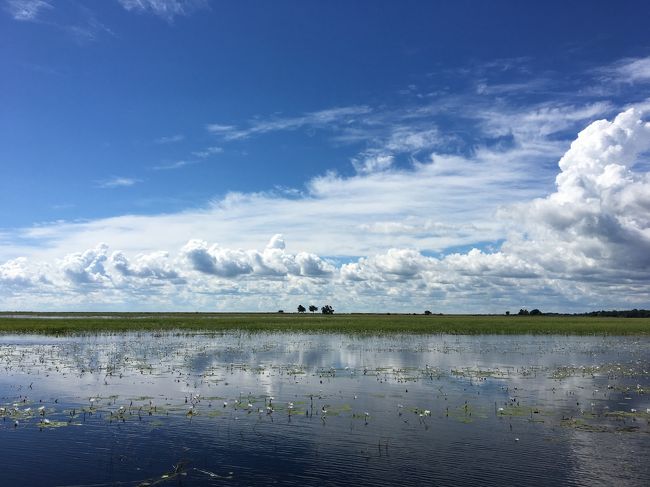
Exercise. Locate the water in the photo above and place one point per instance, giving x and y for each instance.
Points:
(297, 409)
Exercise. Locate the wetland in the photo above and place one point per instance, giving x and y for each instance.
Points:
(233, 407)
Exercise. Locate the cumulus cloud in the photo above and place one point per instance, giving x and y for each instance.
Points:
(597, 222)
(97, 277)
(276, 242)
(497, 264)
(272, 261)
(86, 267)
(17, 273)
(593, 231)
(312, 265)
(394, 264)
(216, 260)
(156, 265)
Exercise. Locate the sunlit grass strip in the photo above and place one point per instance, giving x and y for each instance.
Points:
(339, 323)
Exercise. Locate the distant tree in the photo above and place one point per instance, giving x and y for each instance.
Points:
(427, 312)
(523, 311)
(301, 308)
(535, 312)
(327, 310)
(280, 311)
(313, 308)
(507, 313)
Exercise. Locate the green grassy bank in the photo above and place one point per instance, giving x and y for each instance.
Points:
(68, 323)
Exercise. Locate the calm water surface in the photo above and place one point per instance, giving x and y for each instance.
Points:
(308, 409)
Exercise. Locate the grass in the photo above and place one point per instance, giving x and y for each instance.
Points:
(76, 323)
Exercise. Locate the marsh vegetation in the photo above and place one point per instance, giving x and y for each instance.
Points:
(61, 323)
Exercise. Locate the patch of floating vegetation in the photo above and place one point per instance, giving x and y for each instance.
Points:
(633, 414)
(609, 370)
(521, 411)
(582, 425)
(477, 373)
(46, 423)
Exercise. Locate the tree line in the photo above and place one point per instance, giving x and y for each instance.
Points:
(629, 313)
(326, 310)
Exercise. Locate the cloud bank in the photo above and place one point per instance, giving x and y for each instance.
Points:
(587, 242)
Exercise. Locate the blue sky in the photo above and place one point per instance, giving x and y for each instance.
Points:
(159, 147)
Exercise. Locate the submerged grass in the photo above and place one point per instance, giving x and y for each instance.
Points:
(79, 323)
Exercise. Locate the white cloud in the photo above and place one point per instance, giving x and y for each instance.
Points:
(216, 260)
(155, 265)
(170, 139)
(405, 139)
(447, 192)
(373, 163)
(83, 26)
(86, 267)
(97, 277)
(582, 243)
(276, 242)
(118, 182)
(17, 273)
(597, 223)
(537, 122)
(633, 70)
(26, 10)
(175, 165)
(395, 264)
(165, 9)
(312, 265)
(272, 261)
(207, 152)
(216, 128)
(400, 139)
(323, 119)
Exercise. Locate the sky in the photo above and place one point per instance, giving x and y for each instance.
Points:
(195, 155)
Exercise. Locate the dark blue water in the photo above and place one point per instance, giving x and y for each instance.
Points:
(297, 409)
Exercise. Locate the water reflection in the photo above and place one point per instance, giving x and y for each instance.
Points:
(302, 409)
